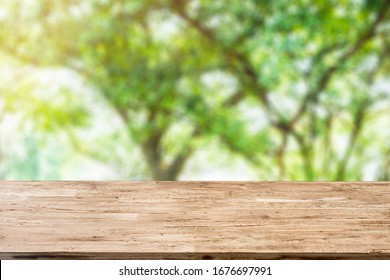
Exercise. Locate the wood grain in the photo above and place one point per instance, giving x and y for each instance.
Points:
(194, 220)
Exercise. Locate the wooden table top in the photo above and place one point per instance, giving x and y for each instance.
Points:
(194, 220)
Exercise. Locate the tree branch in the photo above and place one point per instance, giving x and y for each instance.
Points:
(232, 55)
(313, 94)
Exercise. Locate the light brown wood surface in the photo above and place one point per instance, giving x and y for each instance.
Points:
(194, 220)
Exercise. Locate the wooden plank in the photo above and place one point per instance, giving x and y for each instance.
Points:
(194, 220)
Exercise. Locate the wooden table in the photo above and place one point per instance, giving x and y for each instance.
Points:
(194, 220)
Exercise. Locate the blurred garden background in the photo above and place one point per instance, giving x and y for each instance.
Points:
(195, 90)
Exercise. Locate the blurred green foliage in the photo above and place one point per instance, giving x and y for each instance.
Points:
(184, 74)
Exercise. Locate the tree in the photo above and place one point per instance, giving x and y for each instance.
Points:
(32, 106)
(281, 45)
(149, 59)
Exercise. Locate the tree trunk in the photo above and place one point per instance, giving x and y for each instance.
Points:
(158, 169)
